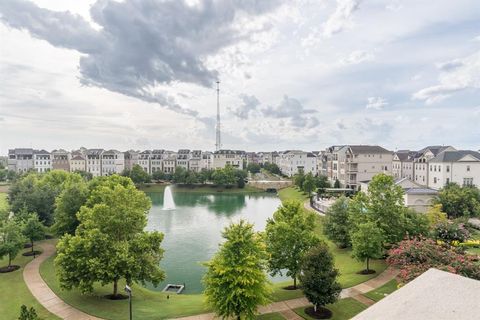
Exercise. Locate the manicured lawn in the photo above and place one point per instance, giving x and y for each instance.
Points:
(292, 193)
(342, 309)
(381, 292)
(199, 189)
(3, 201)
(270, 316)
(15, 292)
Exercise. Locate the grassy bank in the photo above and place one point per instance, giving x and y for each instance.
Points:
(15, 292)
(207, 189)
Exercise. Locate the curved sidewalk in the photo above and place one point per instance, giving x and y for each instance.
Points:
(45, 296)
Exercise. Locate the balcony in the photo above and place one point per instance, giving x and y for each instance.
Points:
(352, 167)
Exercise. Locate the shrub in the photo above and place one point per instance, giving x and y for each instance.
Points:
(450, 231)
(413, 257)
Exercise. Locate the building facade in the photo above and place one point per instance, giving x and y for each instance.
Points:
(223, 158)
(459, 166)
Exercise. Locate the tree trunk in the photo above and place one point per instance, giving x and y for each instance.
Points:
(239, 317)
(31, 241)
(9, 260)
(115, 287)
(294, 281)
(368, 264)
(315, 308)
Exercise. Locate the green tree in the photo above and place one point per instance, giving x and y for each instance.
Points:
(299, 178)
(235, 281)
(459, 201)
(138, 175)
(11, 240)
(3, 175)
(337, 185)
(11, 175)
(33, 229)
(158, 175)
(435, 215)
(288, 236)
(240, 176)
(336, 224)
(87, 176)
(415, 224)
(67, 205)
(180, 175)
(367, 243)
(382, 205)
(253, 167)
(28, 314)
(318, 276)
(205, 175)
(191, 178)
(110, 242)
(224, 177)
(308, 183)
(272, 168)
(322, 182)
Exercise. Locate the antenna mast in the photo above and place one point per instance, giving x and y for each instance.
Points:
(218, 143)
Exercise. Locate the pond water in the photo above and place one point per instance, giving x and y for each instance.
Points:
(193, 230)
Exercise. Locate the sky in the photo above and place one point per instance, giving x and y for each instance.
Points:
(296, 74)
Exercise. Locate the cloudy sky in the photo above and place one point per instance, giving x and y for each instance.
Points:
(294, 74)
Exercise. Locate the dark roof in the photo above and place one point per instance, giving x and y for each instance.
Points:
(94, 151)
(434, 149)
(420, 191)
(452, 156)
(229, 152)
(368, 149)
(21, 151)
(40, 152)
(78, 157)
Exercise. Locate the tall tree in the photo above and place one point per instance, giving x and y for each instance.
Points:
(336, 184)
(383, 205)
(235, 281)
(308, 183)
(298, 178)
(110, 243)
(336, 224)
(318, 277)
(33, 229)
(367, 243)
(253, 167)
(11, 241)
(67, 204)
(288, 236)
(138, 175)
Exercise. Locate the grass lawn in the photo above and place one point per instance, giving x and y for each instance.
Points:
(15, 292)
(3, 201)
(199, 189)
(342, 309)
(381, 292)
(292, 193)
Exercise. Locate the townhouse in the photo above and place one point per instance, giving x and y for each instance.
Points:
(113, 162)
(156, 160)
(144, 160)
(183, 157)
(234, 158)
(60, 160)
(20, 160)
(131, 159)
(421, 172)
(42, 161)
(78, 162)
(459, 166)
(94, 161)
(291, 162)
(195, 161)
(403, 164)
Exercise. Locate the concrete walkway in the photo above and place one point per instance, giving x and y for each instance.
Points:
(47, 298)
(44, 295)
(285, 307)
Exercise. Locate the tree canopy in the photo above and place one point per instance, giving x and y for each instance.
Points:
(110, 242)
(288, 236)
(33, 229)
(459, 201)
(367, 243)
(11, 240)
(235, 281)
(336, 225)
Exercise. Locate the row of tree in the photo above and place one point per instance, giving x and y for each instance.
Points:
(309, 183)
(236, 281)
(225, 177)
(257, 167)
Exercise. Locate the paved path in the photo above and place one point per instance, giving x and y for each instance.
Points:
(47, 298)
(44, 295)
(285, 307)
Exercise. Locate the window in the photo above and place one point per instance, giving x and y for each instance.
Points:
(468, 168)
(448, 168)
(431, 168)
(447, 181)
(467, 182)
(435, 180)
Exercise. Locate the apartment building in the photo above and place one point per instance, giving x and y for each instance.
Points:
(170, 163)
(144, 160)
(156, 160)
(42, 161)
(290, 162)
(195, 162)
(78, 162)
(234, 158)
(113, 162)
(94, 161)
(60, 160)
(421, 159)
(207, 160)
(459, 166)
(131, 159)
(183, 158)
(403, 164)
(20, 159)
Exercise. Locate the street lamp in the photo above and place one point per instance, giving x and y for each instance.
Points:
(129, 291)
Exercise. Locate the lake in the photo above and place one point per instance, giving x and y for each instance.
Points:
(193, 230)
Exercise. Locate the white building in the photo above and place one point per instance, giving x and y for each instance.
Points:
(144, 160)
(113, 162)
(41, 161)
(421, 160)
(183, 157)
(156, 160)
(170, 163)
(291, 162)
(195, 162)
(403, 164)
(207, 160)
(460, 166)
(233, 158)
(94, 161)
(131, 159)
(78, 162)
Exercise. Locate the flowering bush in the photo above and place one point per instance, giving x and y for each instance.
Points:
(450, 232)
(413, 257)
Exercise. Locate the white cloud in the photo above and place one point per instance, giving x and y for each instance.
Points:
(357, 56)
(455, 75)
(341, 17)
(376, 103)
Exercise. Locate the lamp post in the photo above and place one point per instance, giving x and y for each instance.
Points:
(129, 291)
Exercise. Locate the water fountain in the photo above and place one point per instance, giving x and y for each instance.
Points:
(168, 203)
